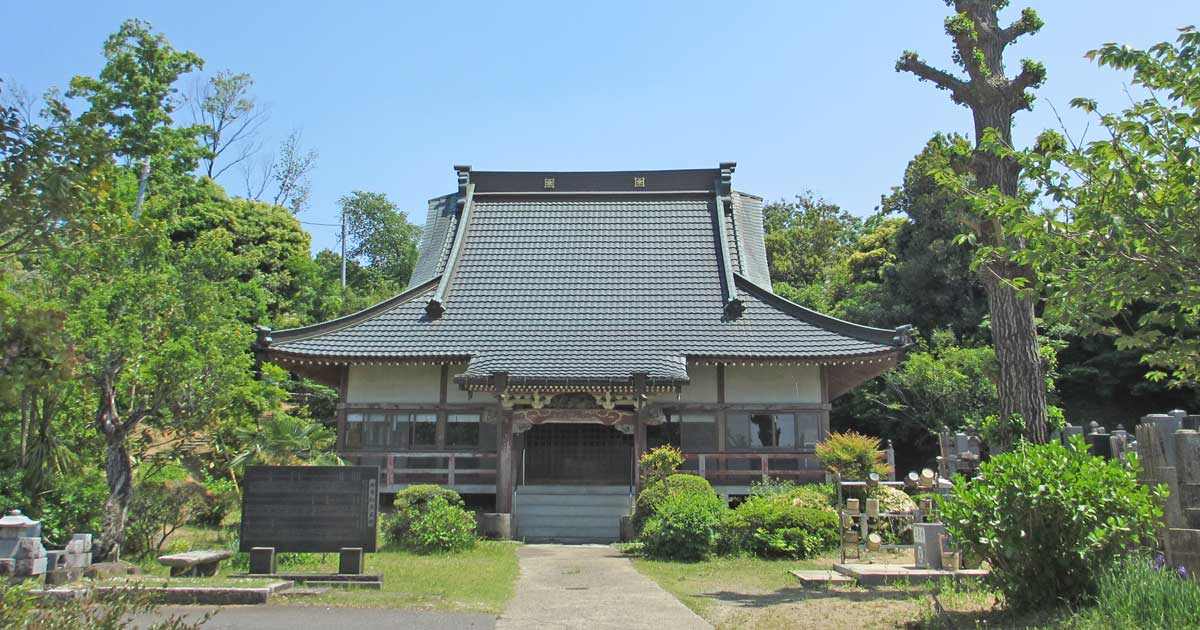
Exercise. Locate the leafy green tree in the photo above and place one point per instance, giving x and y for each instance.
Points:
(381, 235)
(133, 99)
(1117, 245)
(803, 236)
(979, 45)
(930, 284)
(231, 118)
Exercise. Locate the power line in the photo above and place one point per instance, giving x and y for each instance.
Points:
(336, 225)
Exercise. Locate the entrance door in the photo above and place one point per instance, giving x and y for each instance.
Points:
(577, 454)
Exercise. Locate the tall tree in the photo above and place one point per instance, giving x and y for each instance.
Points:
(231, 117)
(1117, 244)
(134, 98)
(979, 44)
(287, 174)
(381, 235)
(802, 236)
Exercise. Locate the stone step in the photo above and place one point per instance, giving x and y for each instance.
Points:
(561, 540)
(572, 510)
(593, 533)
(573, 490)
(525, 521)
(374, 586)
(562, 501)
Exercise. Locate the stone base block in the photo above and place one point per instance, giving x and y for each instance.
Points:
(495, 525)
(262, 560)
(350, 561)
(55, 577)
(627, 533)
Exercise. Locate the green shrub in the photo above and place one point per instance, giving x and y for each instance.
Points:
(410, 503)
(654, 493)
(660, 463)
(684, 527)
(1049, 518)
(220, 498)
(852, 455)
(809, 497)
(441, 527)
(1139, 592)
(156, 510)
(775, 527)
(893, 531)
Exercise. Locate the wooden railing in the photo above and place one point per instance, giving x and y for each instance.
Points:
(449, 471)
(716, 467)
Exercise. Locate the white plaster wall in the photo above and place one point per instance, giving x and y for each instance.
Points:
(703, 387)
(456, 394)
(772, 384)
(394, 383)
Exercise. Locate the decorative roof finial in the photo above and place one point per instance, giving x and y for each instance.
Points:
(725, 186)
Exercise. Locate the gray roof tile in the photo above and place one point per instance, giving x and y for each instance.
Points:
(588, 287)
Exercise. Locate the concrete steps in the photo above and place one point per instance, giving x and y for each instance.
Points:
(570, 514)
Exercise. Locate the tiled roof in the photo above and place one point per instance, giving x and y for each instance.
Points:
(596, 286)
(436, 237)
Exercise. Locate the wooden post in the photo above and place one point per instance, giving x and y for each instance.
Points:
(639, 449)
(504, 463)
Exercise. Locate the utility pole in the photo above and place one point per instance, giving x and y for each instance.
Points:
(343, 247)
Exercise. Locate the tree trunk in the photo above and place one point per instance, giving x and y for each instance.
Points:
(119, 474)
(1022, 383)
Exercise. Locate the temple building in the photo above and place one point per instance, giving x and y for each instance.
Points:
(559, 324)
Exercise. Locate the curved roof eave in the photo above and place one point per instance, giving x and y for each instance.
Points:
(897, 338)
(312, 330)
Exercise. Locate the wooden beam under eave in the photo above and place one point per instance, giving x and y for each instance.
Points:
(840, 379)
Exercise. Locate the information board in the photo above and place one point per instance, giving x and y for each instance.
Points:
(314, 509)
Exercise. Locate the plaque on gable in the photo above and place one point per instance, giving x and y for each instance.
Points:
(313, 509)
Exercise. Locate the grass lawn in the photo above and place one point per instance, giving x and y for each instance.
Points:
(480, 580)
(761, 594)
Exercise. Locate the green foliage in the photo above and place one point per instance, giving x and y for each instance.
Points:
(409, 505)
(659, 463)
(802, 236)
(1142, 593)
(1048, 518)
(654, 493)
(684, 527)
(133, 99)
(156, 511)
(852, 455)
(441, 527)
(114, 610)
(221, 497)
(780, 526)
(1116, 243)
(381, 234)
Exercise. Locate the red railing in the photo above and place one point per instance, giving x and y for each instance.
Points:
(728, 468)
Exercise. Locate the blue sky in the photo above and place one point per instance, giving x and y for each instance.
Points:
(802, 95)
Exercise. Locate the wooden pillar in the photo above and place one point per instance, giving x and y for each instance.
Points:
(639, 449)
(504, 462)
(343, 389)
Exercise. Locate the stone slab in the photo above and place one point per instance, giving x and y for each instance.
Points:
(821, 577)
(218, 596)
(867, 574)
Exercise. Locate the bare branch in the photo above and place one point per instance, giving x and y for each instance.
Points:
(960, 91)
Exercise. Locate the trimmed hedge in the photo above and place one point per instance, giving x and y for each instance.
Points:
(685, 526)
(774, 527)
(429, 518)
(654, 493)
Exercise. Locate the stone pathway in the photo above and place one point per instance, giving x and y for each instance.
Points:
(589, 587)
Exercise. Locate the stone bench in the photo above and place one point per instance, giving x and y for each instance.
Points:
(194, 563)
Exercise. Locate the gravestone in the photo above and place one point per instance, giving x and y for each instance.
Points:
(310, 509)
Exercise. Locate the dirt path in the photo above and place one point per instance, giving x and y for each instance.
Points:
(589, 588)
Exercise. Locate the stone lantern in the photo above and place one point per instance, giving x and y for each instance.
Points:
(21, 551)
